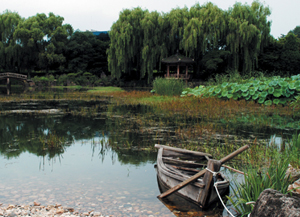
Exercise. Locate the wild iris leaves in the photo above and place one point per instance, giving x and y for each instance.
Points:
(268, 91)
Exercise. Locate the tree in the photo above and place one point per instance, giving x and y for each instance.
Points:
(126, 42)
(9, 57)
(290, 55)
(203, 31)
(86, 53)
(248, 32)
(42, 40)
(296, 31)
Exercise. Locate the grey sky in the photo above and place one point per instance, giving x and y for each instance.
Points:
(101, 14)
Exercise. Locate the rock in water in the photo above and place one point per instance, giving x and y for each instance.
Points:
(273, 203)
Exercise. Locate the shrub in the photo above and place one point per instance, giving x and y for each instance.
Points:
(169, 87)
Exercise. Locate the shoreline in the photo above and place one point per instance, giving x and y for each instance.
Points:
(37, 210)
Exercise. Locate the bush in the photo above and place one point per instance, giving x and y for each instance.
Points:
(169, 87)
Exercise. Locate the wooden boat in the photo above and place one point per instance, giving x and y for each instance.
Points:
(180, 206)
(175, 165)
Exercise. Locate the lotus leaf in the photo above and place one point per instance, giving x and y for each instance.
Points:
(276, 101)
(292, 85)
(264, 94)
(252, 92)
(273, 83)
(262, 87)
(248, 97)
(282, 101)
(224, 93)
(261, 100)
(230, 95)
(255, 87)
(298, 89)
(244, 88)
(290, 91)
(268, 102)
(283, 83)
(256, 82)
(224, 84)
(271, 90)
(255, 96)
(277, 92)
(297, 84)
(244, 94)
(211, 89)
(218, 90)
(235, 96)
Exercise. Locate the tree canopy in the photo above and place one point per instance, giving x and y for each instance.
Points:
(140, 39)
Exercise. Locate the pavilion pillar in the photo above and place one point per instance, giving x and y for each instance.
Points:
(186, 71)
(178, 71)
(168, 71)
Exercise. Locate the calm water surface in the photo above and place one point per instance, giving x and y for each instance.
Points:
(93, 170)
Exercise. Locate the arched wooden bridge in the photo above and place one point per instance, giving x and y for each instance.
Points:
(8, 75)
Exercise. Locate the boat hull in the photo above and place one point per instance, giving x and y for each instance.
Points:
(192, 192)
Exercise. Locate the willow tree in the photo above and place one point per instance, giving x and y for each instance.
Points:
(152, 49)
(248, 32)
(126, 42)
(174, 25)
(203, 31)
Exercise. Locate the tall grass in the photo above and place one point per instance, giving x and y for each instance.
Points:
(255, 181)
(294, 151)
(168, 87)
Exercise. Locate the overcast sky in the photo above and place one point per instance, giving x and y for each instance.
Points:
(101, 14)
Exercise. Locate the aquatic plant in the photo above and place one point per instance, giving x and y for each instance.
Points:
(293, 149)
(257, 180)
(169, 87)
(52, 141)
(267, 91)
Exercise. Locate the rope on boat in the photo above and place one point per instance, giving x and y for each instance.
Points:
(216, 187)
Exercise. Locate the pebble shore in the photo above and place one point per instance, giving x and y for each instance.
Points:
(36, 210)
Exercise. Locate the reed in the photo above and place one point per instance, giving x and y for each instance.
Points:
(168, 87)
(257, 180)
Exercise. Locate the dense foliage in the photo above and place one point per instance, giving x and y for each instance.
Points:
(168, 87)
(268, 91)
(237, 39)
(43, 43)
(140, 39)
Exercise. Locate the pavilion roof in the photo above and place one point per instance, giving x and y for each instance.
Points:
(177, 58)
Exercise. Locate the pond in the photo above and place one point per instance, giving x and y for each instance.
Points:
(106, 162)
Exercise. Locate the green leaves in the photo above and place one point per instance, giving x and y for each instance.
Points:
(274, 90)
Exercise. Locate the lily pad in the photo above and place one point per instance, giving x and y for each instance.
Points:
(283, 83)
(264, 94)
(271, 90)
(224, 93)
(268, 102)
(277, 93)
(261, 100)
(218, 90)
(255, 96)
(225, 84)
(276, 101)
(245, 94)
(244, 88)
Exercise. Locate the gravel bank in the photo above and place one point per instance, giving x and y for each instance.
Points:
(36, 210)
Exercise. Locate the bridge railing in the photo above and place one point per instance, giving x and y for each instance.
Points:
(12, 75)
